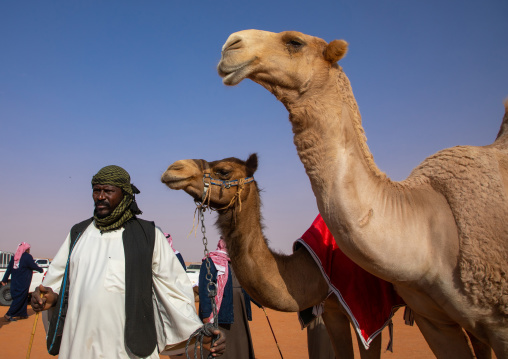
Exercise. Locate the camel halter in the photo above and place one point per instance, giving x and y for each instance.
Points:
(207, 190)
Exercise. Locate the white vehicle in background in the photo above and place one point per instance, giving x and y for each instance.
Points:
(43, 263)
(193, 273)
(5, 291)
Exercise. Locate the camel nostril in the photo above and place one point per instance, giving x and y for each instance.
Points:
(176, 167)
(234, 44)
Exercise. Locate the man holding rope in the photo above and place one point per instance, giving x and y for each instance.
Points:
(115, 287)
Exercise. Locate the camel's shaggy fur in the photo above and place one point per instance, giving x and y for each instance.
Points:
(469, 178)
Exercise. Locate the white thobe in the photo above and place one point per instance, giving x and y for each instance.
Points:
(94, 326)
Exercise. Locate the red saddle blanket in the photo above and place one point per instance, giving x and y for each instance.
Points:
(371, 302)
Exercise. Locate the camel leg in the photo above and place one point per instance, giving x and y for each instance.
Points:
(338, 326)
(498, 340)
(446, 340)
(481, 350)
(339, 329)
(318, 341)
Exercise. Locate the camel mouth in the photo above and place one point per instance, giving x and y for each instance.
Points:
(233, 74)
(174, 182)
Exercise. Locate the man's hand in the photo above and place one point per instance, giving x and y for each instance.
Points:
(43, 298)
(3, 283)
(219, 346)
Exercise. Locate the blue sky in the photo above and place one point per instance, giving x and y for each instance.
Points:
(88, 84)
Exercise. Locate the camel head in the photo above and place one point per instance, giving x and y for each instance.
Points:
(224, 179)
(284, 61)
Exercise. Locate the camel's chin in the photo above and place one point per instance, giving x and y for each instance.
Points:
(232, 79)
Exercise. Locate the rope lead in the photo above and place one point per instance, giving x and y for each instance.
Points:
(199, 335)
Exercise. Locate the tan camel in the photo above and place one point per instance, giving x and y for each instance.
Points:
(440, 236)
(287, 283)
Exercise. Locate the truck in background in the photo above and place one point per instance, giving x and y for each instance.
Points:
(5, 291)
(5, 258)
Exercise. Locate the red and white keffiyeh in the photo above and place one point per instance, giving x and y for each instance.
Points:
(22, 248)
(170, 241)
(220, 259)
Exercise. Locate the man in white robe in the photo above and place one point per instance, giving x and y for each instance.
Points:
(96, 315)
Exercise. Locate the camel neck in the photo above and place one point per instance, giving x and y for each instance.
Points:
(242, 229)
(272, 279)
(329, 139)
(351, 192)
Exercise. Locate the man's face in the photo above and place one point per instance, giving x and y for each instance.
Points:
(106, 199)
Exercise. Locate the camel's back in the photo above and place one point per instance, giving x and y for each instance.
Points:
(474, 181)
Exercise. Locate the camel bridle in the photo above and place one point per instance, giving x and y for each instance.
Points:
(208, 180)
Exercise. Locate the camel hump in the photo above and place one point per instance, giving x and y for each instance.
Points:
(504, 125)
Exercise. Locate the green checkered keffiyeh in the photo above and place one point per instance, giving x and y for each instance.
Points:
(127, 208)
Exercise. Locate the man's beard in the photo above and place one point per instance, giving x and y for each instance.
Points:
(103, 203)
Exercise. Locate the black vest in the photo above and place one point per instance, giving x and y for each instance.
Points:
(140, 333)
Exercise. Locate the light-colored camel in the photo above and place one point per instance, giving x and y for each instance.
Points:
(440, 236)
(287, 283)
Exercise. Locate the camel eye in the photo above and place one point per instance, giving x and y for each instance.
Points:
(294, 45)
(222, 172)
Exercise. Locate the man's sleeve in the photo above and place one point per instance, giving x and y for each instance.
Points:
(32, 265)
(175, 312)
(56, 270)
(54, 275)
(8, 271)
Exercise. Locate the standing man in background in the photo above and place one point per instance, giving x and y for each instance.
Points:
(177, 253)
(233, 303)
(21, 268)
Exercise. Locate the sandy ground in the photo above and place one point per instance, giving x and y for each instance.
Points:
(408, 342)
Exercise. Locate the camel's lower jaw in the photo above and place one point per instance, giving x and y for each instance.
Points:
(176, 184)
(233, 74)
(231, 80)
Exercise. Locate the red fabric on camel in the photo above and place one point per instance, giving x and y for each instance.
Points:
(370, 301)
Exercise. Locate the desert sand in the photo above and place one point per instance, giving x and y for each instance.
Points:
(292, 340)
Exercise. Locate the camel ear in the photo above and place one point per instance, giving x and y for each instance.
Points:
(335, 51)
(252, 164)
